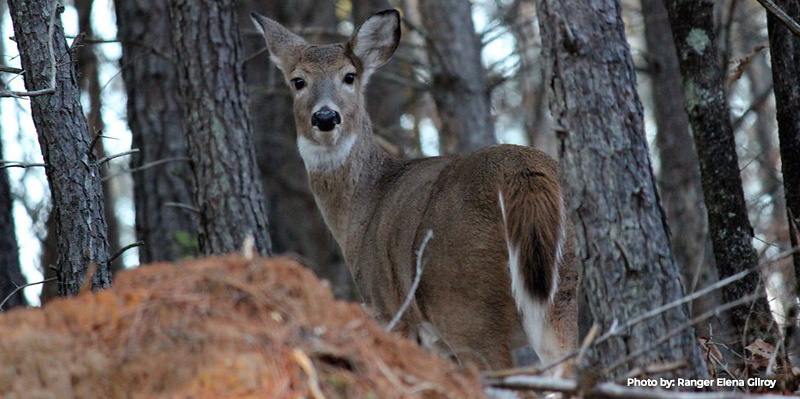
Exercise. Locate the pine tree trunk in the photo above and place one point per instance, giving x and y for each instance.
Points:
(785, 52)
(621, 238)
(458, 80)
(72, 170)
(163, 174)
(731, 232)
(89, 83)
(214, 109)
(679, 177)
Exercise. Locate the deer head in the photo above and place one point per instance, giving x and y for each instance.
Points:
(328, 81)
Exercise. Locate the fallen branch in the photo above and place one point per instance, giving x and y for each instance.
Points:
(414, 285)
(608, 389)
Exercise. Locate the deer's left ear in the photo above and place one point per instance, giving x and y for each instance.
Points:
(376, 39)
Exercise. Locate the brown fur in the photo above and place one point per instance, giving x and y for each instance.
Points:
(380, 208)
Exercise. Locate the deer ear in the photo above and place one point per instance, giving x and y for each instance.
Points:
(376, 39)
(283, 45)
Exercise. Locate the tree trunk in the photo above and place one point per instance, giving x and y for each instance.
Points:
(621, 238)
(784, 49)
(679, 177)
(10, 273)
(89, 83)
(731, 233)
(72, 171)
(163, 175)
(297, 226)
(458, 80)
(213, 105)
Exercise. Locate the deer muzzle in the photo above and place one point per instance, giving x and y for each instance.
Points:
(325, 119)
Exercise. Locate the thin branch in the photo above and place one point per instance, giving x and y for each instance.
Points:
(121, 154)
(657, 311)
(146, 166)
(19, 287)
(691, 323)
(787, 21)
(15, 164)
(52, 88)
(182, 206)
(8, 69)
(123, 249)
(414, 285)
(609, 390)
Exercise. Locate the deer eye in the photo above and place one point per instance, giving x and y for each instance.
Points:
(350, 78)
(299, 83)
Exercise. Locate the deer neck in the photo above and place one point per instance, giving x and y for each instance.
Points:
(344, 179)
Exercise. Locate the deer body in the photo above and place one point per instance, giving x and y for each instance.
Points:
(499, 233)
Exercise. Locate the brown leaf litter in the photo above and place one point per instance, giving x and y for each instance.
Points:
(215, 328)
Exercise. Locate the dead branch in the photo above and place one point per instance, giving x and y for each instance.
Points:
(52, 88)
(190, 208)
(414, 285)
(125, 248)
(691, 323)
(23, 286)
(121, 154)
(8, 69)
(15, 164)
(782, 16)
(146, 166)
(608, 390)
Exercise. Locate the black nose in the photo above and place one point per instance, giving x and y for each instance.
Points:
(326, 119)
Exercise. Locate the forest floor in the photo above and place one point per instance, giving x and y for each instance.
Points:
(215, 328)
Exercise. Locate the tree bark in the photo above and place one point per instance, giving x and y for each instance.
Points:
(89, 82)
(214, 109)
(458, 80)
(297, 226)
(169, 233)
(679, 177)
(785, 52)
(72, 171)
(621, 238)
(10, 272)
(784, 49)
(704, 96)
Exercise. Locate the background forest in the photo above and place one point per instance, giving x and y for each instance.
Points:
(467, 75)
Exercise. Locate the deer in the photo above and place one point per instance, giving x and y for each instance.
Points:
(499, 265)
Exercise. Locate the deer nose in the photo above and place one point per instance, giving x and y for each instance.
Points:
(325, 119)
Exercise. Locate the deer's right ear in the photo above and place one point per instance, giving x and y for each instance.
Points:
(282, 44)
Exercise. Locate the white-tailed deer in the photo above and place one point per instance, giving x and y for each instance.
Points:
(500, 239)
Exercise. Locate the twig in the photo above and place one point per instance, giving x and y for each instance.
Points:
(787, 21)
(146, 166)
(23, 286)
(123, 249)
(657, 311)
(588, 341)
(657, 368)
(414, 285)
(675, 331)
(182, 206)
(609, 390)
(121, 154)
(15, 164)
(52, 88)
(313, 381)
(8, 69)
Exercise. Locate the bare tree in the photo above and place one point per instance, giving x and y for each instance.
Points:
(214, 109)
(704, 95)
(679, 177)
(72, 170)
(621, 237)
(161, 176)
(459, 85)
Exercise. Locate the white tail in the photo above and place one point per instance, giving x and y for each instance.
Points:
(500, 242)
